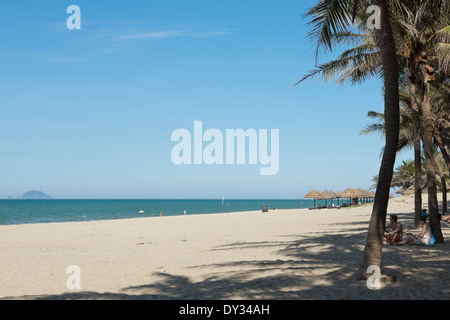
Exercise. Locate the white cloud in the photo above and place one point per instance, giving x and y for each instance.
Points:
(154, 35)
(210, 34)
(66, 59)
(150, 35)
(98, 38)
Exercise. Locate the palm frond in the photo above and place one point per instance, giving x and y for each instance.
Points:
(355, 65)
(329, 17)
(373, 128)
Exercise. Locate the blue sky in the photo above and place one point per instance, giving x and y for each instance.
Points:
(89, 113)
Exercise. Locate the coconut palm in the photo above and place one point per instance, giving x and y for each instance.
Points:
(428, 44)
(330, 22)
(410, 136)
(440, 102)
(404, 175)
(329, 19)
(357, 64)
(443, 177)
(406, 129)
(419, 33)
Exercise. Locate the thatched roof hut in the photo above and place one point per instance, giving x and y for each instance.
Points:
(314, 194)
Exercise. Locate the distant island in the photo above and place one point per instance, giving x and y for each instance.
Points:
(33, 195)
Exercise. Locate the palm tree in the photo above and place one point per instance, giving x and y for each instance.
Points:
(426, 35)
(330, 25)
(440, 102)
(387, 46)
(443, 178)
(410, 136)
(416, 30)
(404, 175)
(331, 18)
(407, 123)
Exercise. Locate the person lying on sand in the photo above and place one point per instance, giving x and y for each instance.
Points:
(396, 235)
(446, 217)
(424, 238)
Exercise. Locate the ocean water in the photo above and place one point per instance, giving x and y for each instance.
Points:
(46, 211)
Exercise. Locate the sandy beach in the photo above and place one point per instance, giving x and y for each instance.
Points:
(283, 254)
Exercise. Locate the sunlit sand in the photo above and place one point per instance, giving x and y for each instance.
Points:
(283, 254)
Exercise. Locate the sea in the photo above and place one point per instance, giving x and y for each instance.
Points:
(14, 212)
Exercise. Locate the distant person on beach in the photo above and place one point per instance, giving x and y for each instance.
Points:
(396, 235)
(160, 214)
(184, 211)
(446, 217)
(422, 239)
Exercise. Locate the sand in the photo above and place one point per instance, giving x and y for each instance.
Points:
(283, 254)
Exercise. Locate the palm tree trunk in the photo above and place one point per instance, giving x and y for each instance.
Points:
(374, 242)
(443, 182)
(444, 152)
(433, 207)
(417, 149)
(417, 179)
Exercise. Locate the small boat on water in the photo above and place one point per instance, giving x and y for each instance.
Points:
(141, 211)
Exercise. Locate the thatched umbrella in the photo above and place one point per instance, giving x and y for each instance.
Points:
(333, 194)
(329, 195)
(363, 193)
(347, 193)
(368, 195)
(326, 196)
(358, 193)
(339, 196)
(410, 190)
(314, 194)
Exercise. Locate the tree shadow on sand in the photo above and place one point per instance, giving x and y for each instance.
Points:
(310, 266)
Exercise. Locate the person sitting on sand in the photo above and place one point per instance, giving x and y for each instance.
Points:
(396, 235)
(424, 238)
(424, 213)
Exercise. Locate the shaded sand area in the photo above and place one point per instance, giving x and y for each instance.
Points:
(283, 254)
